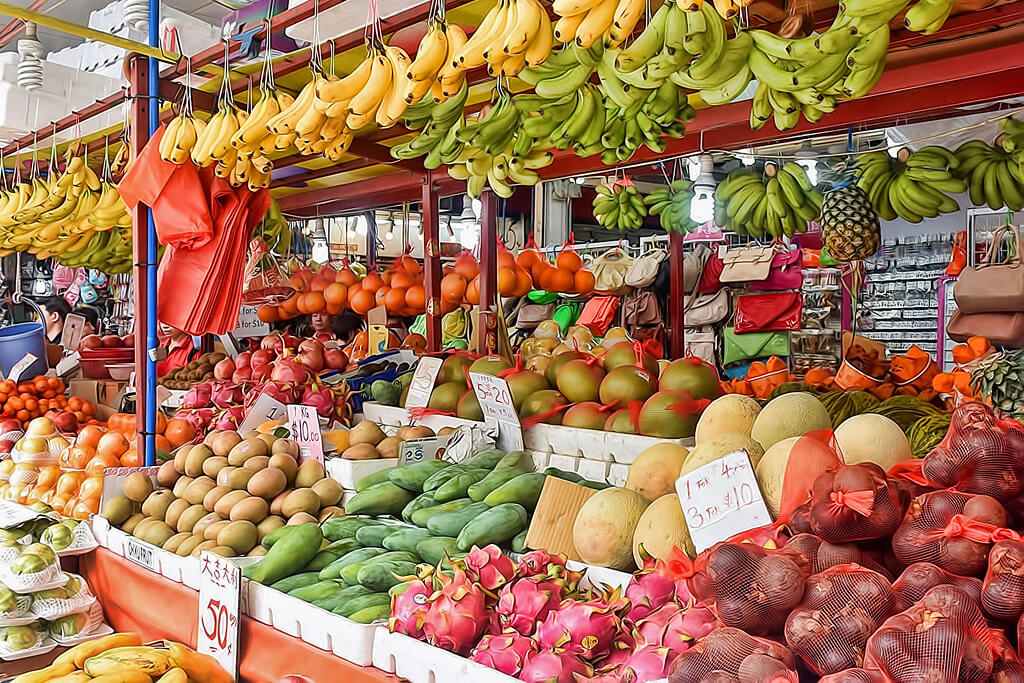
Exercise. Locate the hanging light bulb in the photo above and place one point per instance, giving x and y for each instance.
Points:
(702, 206)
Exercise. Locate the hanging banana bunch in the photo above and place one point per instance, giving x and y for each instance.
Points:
(619, 206)
(586, 22)
(768, 202)
(727, 9)
(181, 134)
(994, 173)
(914, 185)
(435, 71)
(672, 206)
(512, 35)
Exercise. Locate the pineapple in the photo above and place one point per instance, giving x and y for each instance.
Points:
(999, 379)
(849, 224)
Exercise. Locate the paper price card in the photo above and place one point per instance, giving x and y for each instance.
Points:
(377, 319)
(249, 323)
(265, 408)
(422, 382)
(304, 426)
(220, 583)
(74, 325)
(19, 368)
(721, 499)
(417, 450)
(496, 404)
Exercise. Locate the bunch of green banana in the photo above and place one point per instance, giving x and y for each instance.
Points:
(564, 71)
(914, 186)
(1012, 139)
(672, 206)
(440, 123)
(498, 171)
(720, 70)
(619, 206)
(772, 201)
(109, 251)
(494, 130)
(928, 16)
(994, 176)
(575, 120)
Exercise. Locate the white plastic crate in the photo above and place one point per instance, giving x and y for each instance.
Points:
(420, 662)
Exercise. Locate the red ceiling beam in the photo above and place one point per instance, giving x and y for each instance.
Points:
(385, 190)
(326, 171)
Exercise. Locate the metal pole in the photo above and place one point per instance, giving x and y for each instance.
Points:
(487, 339)
(139, 136)
(430, 208)
(676, 293)
(151, 251)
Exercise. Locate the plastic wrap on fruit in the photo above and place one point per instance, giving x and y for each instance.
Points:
(733, 655)
(921, 577)
(854, 503)
(841, 608)
(952, 530)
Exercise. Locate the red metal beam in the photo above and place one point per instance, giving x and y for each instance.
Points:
(677, 292)
(326, 171)
(430, 208)
(139, 78)
(487, 326)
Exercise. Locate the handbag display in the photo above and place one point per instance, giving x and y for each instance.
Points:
(768, 312)
(693, 265)
(993, 287)
(641, 309)
(701, 342)
(711, 277)
(1001, 329)
(747, 264)
(740, 347)
(599, 314)
(644, 269)
(706, 309)
(786, 272)
(531, 315)
(610, 271)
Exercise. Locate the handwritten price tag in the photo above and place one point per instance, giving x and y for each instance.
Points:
(422, 382)
(220, 583)
(721, 499)
(304, 425)
(249, 323)
(496, 404)
(74, 325)
(265, 408)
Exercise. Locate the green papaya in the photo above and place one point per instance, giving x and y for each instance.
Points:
(378, 477)
(287, 556)
(290, 583)
(337, 528)
(405, 539)
(333, 570)
(457, 486)
(412, 477)
(368, 615)
(380, 576)
(519, 542)
(524, 489)
(520, 460)
(420, 517)
(562, 474)
(496, 525)
(424, 500)
(362, 602)
(451, 523)
(373, 536)
(492, 481)
(350, 573)
(380, 499)
(317, 591)
(486, 459)
(345, 594)
(330, 554)
(432, 550)
(441, 476)
(277, 534)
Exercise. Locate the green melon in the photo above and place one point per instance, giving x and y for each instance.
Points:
(792, 414)
(604, 527)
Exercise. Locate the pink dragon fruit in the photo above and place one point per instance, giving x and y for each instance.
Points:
(676, 629)
(651, 629)
(489, 567)
(537, 562)
(457, 614)
(527, 601)
(649, 588)
(608, 677)
(621, 649)
(548, 666)
(409, 607)
(505, 652)
(583, 628)
(649, 663)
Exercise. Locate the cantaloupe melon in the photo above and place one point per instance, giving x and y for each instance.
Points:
(792, 414)
(604, 527)
(717, 446)
(655, 470)
(732, 413)
(662, 527)
(872, 438)
(771, 470)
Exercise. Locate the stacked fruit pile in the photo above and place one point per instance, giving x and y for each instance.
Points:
(29, 399)
(461, 281)
(367, 441)
(197, 370)
(224, 495)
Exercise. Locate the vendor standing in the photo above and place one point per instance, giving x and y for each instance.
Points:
(180, 349)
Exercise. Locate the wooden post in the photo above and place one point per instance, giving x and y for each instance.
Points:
(429, 208)
(139, 136)
(486, 332)
(676, 293)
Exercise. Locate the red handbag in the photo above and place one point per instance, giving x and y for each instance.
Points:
(599, 314)
(785, 273)
(711, 276)
(768, 312)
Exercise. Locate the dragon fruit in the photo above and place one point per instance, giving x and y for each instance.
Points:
(621, 649)
(410, 602)
(527, 601)
(537, 562)
(648, 589)
(651, 629)
(608, 677)
(649, 663)
(676, 629)
(548, 666)
(489, 567)
(582, 628)
(505, 652)
(457, 615)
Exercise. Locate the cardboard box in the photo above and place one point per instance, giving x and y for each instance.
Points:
(102, 392)
(554, 516)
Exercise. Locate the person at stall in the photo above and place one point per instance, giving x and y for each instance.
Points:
(55, 309)
(92, 319)
(180, 349)
(345, 326)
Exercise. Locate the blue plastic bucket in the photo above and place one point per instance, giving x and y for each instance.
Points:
(16, 341)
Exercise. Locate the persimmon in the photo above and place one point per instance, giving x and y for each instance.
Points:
(473, 291)
(100, 462)
(179, 432)
(346, 276)
(583, 281)
(506, 281)
(394, 301)
(561, 280)
(267, 313)
(130, 458)
(467, 266)
(373, 281)
(314, 301)
(380, 296)
(112, 443)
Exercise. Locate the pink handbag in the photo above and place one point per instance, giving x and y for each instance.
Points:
(785, 273)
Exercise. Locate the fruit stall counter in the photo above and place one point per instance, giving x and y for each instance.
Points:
(135, 599)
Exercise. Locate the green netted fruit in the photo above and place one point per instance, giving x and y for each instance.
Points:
(840, 406)
(788, 387)
(905, 410)
(926, 433)
(864, 401)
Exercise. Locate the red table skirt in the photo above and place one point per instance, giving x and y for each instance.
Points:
(135, 599)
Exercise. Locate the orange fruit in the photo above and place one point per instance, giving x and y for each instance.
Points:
(179, 432)
(362, 301)
(453, 288)
(112, 443)
(416, 298)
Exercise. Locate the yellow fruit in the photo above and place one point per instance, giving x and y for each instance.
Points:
(122, 660)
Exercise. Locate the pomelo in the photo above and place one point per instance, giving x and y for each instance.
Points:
(445, 397)
(668, 414)
(580, 380)
(557, 361)
(620, 421)
(624, 353)
(468, 408)
(490, 365)
(523, 383)
(691, 375)
(452, 369)
(627, 383)
(586, 415)
(542, 402)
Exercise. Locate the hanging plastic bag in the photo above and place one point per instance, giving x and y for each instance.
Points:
(265, 282)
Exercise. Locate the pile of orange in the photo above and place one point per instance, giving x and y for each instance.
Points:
(461, 282)
(568, 275)
(73, 486)
(29, 399)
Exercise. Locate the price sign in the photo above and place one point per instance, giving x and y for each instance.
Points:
(721, 499)
(141, 554)
(249, 323)
(417, 450)
(220, 583)
(265, 408)
(74, 325)
(377, 319)
(496, 404)
(19, 368)
(422, 382)
(304, 425)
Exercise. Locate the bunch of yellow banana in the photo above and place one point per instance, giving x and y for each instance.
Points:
(435, 70)
(376, 92)
(512, 35)
(311, 124)
(180, 137)
(727, 9)
(214, 142)
(587, 21)
(499, 171)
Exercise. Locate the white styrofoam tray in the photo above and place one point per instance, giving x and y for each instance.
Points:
(178, 569)
(349, 472)
(591, 444)
(420, 662)
(328, 631)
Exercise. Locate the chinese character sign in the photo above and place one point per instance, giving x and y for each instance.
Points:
(219, 590)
